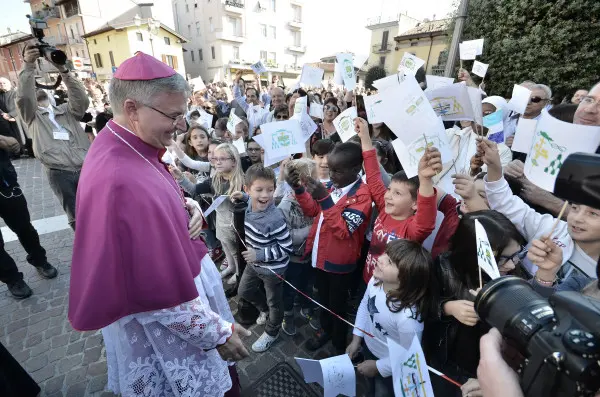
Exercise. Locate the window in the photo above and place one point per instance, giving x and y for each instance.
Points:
(190, 30)
(212, 27)
(198, 29)
(139, 36)
(170, 60)
(263, 55)
(273, 57)
(273, 5)
(414, 44)
(384, 39)
(192, 55)
(98, 60)
(297, 38)
(212, 50)
(112, 59)
(187, 8)
(195, 5)
(263, 30)
(95, 42)
(72, 33)
(167, 41)
(236, 52)
(200, 55)
(297, 12)
(296, 60)
(272, 32)
(235, 26)
(77, 54)
(381, 61)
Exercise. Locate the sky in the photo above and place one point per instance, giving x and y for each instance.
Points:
(329, 24)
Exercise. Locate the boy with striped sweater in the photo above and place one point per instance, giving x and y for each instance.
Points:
(268, 248)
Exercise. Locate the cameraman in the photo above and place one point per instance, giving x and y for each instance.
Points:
(58, 139)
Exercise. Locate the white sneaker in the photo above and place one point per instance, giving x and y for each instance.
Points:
(232, 280)
(264, 342)
(262, 318)
(227, 272)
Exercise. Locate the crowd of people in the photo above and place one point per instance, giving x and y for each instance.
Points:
(340, 222)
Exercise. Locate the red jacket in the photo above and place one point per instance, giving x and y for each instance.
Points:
(343, 229)
(448, 227)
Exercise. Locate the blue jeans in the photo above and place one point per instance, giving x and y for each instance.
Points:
(299, 275)
(377, 386)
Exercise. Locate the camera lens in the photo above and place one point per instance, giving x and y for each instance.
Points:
(511, 305)
(58, 57)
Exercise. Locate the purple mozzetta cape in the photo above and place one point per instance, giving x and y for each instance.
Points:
(132, 251)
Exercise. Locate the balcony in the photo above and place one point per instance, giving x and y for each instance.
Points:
(235, 6)
(271, 64)
(74, 40)
(56, 40)
(71, 9)
(297, 48)
(233, 37)
(295, 23)
(382, 48)
(296, 69)
(52, 12)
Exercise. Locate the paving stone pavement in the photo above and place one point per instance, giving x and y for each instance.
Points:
(68, 363)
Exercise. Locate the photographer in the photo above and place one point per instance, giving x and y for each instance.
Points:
(58, 139)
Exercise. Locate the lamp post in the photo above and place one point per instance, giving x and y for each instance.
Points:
(152, 25)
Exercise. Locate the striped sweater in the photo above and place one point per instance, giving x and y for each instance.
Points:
(267, 232)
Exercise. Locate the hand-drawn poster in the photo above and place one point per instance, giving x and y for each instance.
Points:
(410, 64)
(344, 124)
(311, 76)
(269, 158)
(410, 372)
(282, 138)
(480, 69)
(485, 255)
(316, 110)
(259, 67)
(393, 80)
(335, 374)
(452, 102)
(373, 108)
(346, 67)
(306, 123)
(434, 82)
(552, 142)
(232, 122)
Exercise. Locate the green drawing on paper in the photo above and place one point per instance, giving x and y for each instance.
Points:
(546, 148)
(414, 105)
(446, 106)
(409, 63)
(413, 382)
(484, 252)
(346, 123)
(417, 148)
(282, 139)
(348, 68)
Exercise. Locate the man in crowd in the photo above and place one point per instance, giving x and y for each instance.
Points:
(277, 99)
(14, 212)
(250, 103)
(59, 141)
(8, 110)
(160, 312)
(540, 97)
(578, 96)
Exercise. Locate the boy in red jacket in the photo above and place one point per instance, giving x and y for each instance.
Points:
(336, 237)
(398, 203)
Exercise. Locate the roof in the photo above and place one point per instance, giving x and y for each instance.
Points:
(14, 38)
(425, 29)
(109, 27)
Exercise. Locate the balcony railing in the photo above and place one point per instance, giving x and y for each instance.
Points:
(297, 48)
(382, 48)
(235, 3)
(75, 40)
(295, 23)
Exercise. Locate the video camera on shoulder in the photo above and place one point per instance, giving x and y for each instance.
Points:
(558, 338)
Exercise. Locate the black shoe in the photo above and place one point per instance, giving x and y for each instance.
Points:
(319, 340)
(47, 270)
(20, 290)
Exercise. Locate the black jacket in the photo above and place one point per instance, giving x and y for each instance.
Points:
(446, 341)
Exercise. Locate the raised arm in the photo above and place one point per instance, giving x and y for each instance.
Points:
(26, 100)
(376, 187)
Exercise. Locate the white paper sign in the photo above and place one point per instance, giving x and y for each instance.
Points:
(282, 138)
(452, 102)
(480, 69)
(553, 141)
(240, 145)
(344, 124)
(311, 76)
(335, 374)
(485, 255)
(478, 44)
(232, 122)
(259, 68)
(524, 135)
(306, 123)
(374, 108)
(316, 110)
(407, 111)
(360, 59)
(267, 158)
(300, 105)
(467, 52)
(390, 81)
(216, 202)
(410, 155)
(197, 83)
(409, 369)
(519, 100)
(205, 119)
(410, 63)
(434, 82)
(346, 67)
(337, 74)
(217, 77)
(475, 99)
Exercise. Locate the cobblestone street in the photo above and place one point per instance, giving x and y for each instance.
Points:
(36, 331)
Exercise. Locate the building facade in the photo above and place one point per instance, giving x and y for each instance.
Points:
(428, 41)
(229, 35)
(111, 45)
(382, 51)
(11, 54)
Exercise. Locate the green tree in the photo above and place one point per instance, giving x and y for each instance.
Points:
(374, 73)
(553, 42)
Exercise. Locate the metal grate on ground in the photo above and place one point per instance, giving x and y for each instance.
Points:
(280, 381)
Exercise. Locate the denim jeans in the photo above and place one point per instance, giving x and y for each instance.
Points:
(64, 185)
(297, 274)
(377, 386)
(270, 301)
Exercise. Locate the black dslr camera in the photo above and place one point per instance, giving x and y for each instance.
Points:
(51, 53)
(558, 338)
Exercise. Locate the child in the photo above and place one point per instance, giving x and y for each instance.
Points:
(341, 219)
(394, 306)
(269, 245)
(221, 131)
(228, 178)
(398, 203)
(299, 269)
(320, 151)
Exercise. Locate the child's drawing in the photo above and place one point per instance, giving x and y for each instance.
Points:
(545, 148)
(413, 384)
(282, 139)
(414, 104)
(446, 106)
